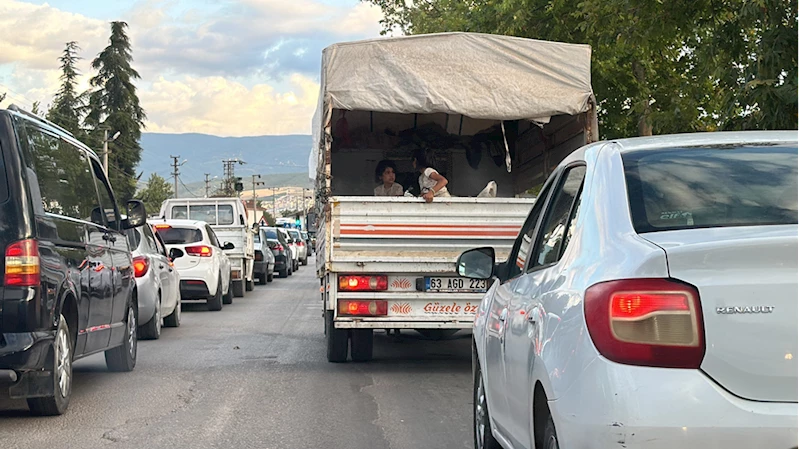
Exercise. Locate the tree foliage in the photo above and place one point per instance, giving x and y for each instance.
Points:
(68, 104)
(157, 191)
(114, 105)
(269, 219)
(657, 67)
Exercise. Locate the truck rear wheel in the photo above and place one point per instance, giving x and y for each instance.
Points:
(361, 345)
(336, 341)
(238, 288)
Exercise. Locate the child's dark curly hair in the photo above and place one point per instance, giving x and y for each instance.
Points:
(382, 166)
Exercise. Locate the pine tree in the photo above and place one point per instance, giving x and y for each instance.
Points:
(114, 106)
(68, 104)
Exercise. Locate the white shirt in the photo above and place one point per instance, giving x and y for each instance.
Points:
(394, 190)
(426, 182)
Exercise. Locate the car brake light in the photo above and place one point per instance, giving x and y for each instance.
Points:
(163, 226)
(278, 247)
(201, 250)
(140, 266)
(646, 322)
(22, 264)
(362, 307)
(360, 283)
(300, 244)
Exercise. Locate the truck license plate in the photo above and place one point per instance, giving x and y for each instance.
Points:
(458, 285)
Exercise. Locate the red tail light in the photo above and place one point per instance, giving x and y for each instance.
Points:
(361, 283)
(279, 247)
(162, 226)
(300, 244)
(140, 266)
(647, 322)
(362, 307)
(202, 251)
(22, 264)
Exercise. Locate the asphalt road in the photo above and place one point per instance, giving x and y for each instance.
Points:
(254, 375)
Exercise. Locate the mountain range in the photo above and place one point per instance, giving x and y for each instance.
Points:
(280, 160)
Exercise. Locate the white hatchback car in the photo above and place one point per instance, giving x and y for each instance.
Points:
(650, 301)
(157, 282)
(204, 267)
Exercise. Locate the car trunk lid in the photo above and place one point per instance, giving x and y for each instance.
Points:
(747, 282)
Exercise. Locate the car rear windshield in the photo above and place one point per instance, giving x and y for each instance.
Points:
(687, 188)
(271, 234)
(295, 235)
(180, 236)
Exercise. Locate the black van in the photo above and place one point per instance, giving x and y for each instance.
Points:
(67, 288)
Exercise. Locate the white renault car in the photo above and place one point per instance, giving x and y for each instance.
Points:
(157, 282)
(650, 301)
(204, 267)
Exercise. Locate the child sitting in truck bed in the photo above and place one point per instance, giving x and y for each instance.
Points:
(431, 182)
(386, 174)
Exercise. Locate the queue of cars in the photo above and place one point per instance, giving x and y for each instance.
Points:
(79, 277)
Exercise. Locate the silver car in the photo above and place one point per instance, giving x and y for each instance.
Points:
(649, 301)
(302, 248)
(157, 282)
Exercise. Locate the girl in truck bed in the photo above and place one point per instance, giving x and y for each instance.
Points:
(431, 181)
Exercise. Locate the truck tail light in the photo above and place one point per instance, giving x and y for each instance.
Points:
(201, 250)
(22, 264)
(140, 266)
(362, 283)
(646, 322)
(350, 307)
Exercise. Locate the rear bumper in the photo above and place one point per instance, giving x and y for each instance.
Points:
(24, 369)
(193, 289)
(655, 408)
(389, 324)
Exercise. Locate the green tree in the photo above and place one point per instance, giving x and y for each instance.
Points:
(114, 105)
(657, 67)
(157, 191)
(68, 104)
(268, 218)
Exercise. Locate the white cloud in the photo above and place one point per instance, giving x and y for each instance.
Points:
(218, 106)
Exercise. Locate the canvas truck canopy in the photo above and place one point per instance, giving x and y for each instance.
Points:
(480, 76)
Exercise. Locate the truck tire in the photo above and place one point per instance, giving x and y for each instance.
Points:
(336, 341)
(249, 285)
(63, 352)
(238, 288)
(361, 345)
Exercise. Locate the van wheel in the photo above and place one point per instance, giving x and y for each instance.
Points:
(336, 341)
(123, 358)
(215, 302)
(284, 273)
(249, 285)
(61, 375)
(361, 345)
(262, 279)
(270, 276)
(152, 330)
(238, 288)
(483, 438)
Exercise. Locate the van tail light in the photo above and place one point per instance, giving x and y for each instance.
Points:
(362, 307)
(140, 266)
(646, 322)
(201, 250)
(362, 283)
(22, 264)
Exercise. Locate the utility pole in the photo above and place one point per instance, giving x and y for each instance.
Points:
(255, 195)
(274, 203)
(105, 147)
(207, 185)
(230, 174)
(175, 171)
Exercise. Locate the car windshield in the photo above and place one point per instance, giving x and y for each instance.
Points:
(180, 236)
(685, 188)
(294, 235)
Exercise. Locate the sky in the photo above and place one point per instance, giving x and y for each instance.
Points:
(221, 67)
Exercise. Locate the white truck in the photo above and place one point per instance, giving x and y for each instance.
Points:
(493, 108)
(228, 219)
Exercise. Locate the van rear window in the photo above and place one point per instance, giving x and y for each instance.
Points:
(180, 236)
(687, 188)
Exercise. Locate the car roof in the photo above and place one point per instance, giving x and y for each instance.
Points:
(705, 139)
(180, 222)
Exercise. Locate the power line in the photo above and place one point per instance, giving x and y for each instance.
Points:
(187, 189)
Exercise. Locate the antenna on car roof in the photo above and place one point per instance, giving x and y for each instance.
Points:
(33, 116)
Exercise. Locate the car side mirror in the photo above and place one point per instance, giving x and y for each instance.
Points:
(476, 263)
(175, 253)
(228, 246)
(136, 216)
